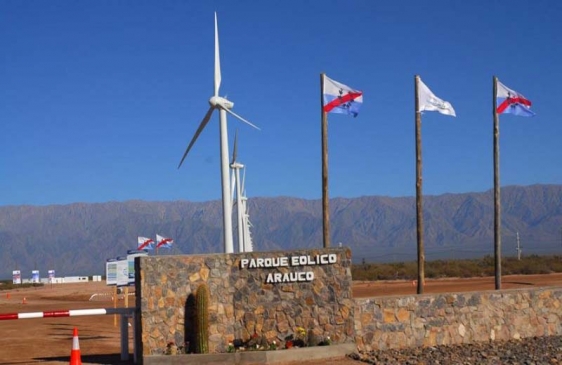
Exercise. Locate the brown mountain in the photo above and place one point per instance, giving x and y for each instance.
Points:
(76, 239)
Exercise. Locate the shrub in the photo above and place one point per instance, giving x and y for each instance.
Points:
(532, 264)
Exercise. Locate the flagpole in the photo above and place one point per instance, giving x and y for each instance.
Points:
(419, 208)
(497, 203)
(325, 199)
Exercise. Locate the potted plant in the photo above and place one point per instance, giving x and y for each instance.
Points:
(273, 345)
(289, 341)
(171, 349)
(300, 334)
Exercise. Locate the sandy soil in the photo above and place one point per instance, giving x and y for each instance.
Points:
(49, 340)
(389, 288)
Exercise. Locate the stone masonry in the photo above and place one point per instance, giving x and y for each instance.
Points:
(445, 319)
(243, 304)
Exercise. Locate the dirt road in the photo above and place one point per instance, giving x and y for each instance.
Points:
(49, 340)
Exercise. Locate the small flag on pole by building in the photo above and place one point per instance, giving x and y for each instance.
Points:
(429, 102)
(163, 242)
(145, 243)
(510, 101)
(340, 98)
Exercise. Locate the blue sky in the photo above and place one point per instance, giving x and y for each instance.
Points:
(99, 99)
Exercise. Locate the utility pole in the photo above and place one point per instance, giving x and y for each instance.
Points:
(518, 248)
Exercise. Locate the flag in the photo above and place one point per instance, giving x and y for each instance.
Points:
(431, 103)
(510, 101)
(340, 98)
(145, 243)
(163, 242)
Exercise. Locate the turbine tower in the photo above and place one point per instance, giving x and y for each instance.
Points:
(248, 245)
(224, 106)
(236, 166)
(244, 224)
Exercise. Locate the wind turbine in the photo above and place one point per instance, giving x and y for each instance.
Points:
(236, 166)
(224, 106)
(248, 245)
(244, 224)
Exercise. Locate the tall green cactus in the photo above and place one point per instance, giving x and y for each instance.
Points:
(202, 319)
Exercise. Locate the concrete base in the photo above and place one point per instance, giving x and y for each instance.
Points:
(255, 357)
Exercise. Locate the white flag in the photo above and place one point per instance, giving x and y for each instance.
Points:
(163, 242)
(340, 98)
(145, 243)
(429, 102)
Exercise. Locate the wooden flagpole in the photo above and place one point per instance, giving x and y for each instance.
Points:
(115, 304)
(497, 203)
(325, 198)
(419, 208)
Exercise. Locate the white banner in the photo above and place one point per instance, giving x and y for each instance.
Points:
(16, 277)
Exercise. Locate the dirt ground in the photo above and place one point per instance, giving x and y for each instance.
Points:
(49, 340)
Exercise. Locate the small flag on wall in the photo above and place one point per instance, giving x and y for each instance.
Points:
(163, 242)
(145, 243)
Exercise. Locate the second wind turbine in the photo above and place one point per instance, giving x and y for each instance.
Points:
(224, 106)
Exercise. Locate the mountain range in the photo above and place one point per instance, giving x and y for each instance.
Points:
(77, 239)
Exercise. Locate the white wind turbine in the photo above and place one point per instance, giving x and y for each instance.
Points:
(224, 106)
(235, 184)
(244, 236)
(248, 245)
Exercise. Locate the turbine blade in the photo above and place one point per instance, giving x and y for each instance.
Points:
(243, 180)
(242, 119)
(232, 184)
(235, 148)
(197, 133)
(217, 59)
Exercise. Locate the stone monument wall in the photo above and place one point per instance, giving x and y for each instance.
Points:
(270, 294)
(445, 319)
(261, 294)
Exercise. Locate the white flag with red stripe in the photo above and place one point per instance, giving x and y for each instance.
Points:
(340, 98)
(510, 101)
(163, 242)
(145, 243)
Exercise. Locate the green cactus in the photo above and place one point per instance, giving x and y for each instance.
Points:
(202, 319)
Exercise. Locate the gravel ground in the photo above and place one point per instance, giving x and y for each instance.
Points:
(528, 351)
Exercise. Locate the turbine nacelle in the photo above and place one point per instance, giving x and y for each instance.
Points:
(220, 102)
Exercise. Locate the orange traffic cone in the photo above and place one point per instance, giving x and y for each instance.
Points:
(75, 358)
(24, 301)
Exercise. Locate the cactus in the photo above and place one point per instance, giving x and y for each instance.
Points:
(202, 319)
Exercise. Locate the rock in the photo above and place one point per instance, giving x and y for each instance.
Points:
(535, 350)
